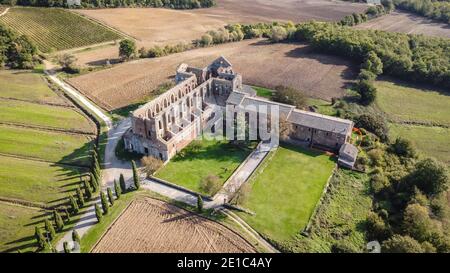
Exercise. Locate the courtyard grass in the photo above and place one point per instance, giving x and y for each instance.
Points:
(35, 181)
(219, 158)
(26, 85)
(45, 145)
(404, 103)
(430, 141)
(21, 112)
(285, 190)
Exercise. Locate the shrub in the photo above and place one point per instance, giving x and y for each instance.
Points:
(401, 244)
(430, 176)
(342, 246)
(117, 189)
(417, 222)
(49, 229)
(76, 237)
(278, 34)
(367, 91)
(376, 227)
(58, 221)
(74, 205)
(373, 123)
(136, 179)
(127, 49)
(210, 184)
(402, 147)
(104, 201)
(290, 96)
(151, 164)
(379, 183)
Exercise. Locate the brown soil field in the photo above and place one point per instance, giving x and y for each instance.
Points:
(407, 23)
(259, 62)
(151, 26)
(149, 226)
(163, 26)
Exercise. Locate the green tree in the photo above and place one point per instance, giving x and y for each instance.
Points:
(40, 238)
(401, 244)
(367, 91)
(136, 179)
(76, 237)
(117, 189)
(59, 223)
(430, 176)
(373, 63)
(123, 185)
(290, 96)
(110, 196)
(105, 205)
(80, 197)
(87, 189)
(199, 204)
(49, 229)
(94, 183)
(98, 213)
(127, 49)
(66, 247)
(74, 205)
(376, 227)
(417, 222)
(67, 62)
(403, 147)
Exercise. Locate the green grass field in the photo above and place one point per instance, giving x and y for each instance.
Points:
(214, 157)
(50, 146)
(404, 103)
(428, 109)
(26, 85)
(36, 181)
(21, 112)
(58, 29)
(285, 191)
(341, 216)
(431, 141)
(17, 227)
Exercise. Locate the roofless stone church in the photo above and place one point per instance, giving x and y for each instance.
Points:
(167, 124)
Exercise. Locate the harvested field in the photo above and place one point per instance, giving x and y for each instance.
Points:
(156, 26)
(151, 26)
(149, 225)
(407, 23)
(260, 63)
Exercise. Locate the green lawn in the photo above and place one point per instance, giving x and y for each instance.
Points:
(50, 146)
(285, 191)
(431, 141)
(263, 92)
(36, 181)
(43, 115)
(26, 85)
(58, 29)
(404, 103)
(214, 157)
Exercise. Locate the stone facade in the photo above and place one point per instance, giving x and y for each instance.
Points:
(170, 122)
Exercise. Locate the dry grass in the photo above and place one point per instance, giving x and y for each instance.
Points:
(149, 225)
(407, 23)
(260, 63)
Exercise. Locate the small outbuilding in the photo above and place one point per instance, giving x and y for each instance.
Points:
(347, 155)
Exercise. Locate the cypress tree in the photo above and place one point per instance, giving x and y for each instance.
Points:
(98, 213)
(123, 185)
(74, 205)
(117, 189)
(105, 205)
(76, 237)
(87, 190)
(50, 230)
(110, 196)
(67, 215)
(66, 247)
(94, 183)
(137, 183)
(58, 220)
(80, 197)
(40, 239)
(199, 203)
